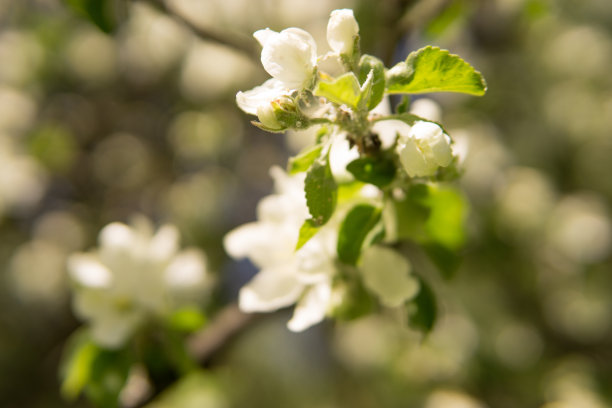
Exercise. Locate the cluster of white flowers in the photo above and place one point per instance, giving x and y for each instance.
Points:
(306, 275)
(339, 91)
(135, 275)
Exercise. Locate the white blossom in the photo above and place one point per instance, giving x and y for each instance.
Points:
(286, 276)
(135, 275)
(421, 149)
(388, 274)
(289, 56)
(342, 29)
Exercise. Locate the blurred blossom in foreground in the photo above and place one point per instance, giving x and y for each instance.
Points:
(22, 180)
(135, 275)
(451, 399)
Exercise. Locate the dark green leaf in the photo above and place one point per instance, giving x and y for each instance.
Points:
(304, 159)
(321, 192)
(354, 230)
(102, 13)
(445, 259)
(356, 300)
(109, 374)
(372, 64)
(379, 171)
(432, 69)
(410, 214)
(307, 231)
(423, 310)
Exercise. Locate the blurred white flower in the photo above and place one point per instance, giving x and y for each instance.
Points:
(424, 149)
(286, 276)
(342, 29)
(387, 273)
(135, 275)
(22, 180)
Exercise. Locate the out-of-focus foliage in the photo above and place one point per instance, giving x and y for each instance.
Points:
(95, 127)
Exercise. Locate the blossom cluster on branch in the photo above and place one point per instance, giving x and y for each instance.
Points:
(326, 240)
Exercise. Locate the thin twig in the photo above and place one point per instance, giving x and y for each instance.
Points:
(239, 42)
(227, 323)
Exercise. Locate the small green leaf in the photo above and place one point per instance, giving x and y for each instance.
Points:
(404, 104)
(379, 171)
(307, 231)
(344, 90)
(77, 363)
(354, 230)
(432, 69)
(304, 159)
(187, 319)
(321, 192)
(423, 310)
(372, 64)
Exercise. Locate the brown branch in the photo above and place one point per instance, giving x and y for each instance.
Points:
(240, 42)
(226, 324)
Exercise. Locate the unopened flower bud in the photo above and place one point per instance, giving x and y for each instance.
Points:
(342, 29)
(424, 149)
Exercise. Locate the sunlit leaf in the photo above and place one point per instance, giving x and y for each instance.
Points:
(77, 364)
(344, 90)
(304, 159)
(369, 64)
(432, 69)
(307, 231)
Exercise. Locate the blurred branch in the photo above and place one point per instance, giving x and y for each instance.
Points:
(239, 42)
(227, 323)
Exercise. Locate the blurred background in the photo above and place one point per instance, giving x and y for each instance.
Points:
(132, 111)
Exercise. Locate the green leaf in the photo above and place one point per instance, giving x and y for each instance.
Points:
(307, 231)
(410, 214)
(372, 64)
(423, 310)
(304, 159)
(379, 171)
(445, 259)
(354, 230)
(446, 223)
(432, 69)
(321, 192)
(77, 362)
(344, 90)
(109, 374)
(187, 319)
(356, 300)
(102, 13)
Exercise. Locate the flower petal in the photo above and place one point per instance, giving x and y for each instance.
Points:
(270, 289)
(187, 270)
(86, 270)
(290, 57)
(261, 95)
(311, 309)
(387, 273)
